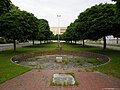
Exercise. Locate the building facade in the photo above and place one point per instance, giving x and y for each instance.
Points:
(112, 40)
(55, 30)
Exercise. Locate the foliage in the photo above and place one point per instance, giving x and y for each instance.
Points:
(79, 61)
(5, 6)
(10, 26)
(117, 7)
(13, 7)
(21, 25)
(44, 30)
(94, 23)
(117, 19)
(99, 21)
(2, 40)
(18, 24)
(55, 37)
(65, 61)
(70, 33)
(31, 28)
(92, 60)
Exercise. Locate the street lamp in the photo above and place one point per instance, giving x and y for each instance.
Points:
(58, 29)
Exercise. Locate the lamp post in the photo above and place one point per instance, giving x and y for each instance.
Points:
(58, 30)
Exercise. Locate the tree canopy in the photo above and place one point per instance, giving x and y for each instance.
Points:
(44, 30)
(94, 23)
(18, 24)
(5, 6)
(117, 19)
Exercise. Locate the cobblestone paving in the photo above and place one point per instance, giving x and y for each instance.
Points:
(35, 80)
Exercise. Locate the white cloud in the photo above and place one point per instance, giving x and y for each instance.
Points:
(49, 9)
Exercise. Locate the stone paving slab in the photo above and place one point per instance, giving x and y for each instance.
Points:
(35, 80)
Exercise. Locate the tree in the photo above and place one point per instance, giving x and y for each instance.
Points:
(17, 25)
(81, 26)
(4, 6)
(51, 37)
(117, 20)
(117, 7)
(97, 22)
(32, 27)
(13, 7)
(10, 26)
(68, 35)
(44, 30)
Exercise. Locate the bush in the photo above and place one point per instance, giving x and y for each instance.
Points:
(2, 40)
(94, 61)
(65, 61)
(9, 41)
(80, 61)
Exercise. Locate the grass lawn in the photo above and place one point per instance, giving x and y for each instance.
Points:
(112, 68)
(9, 70)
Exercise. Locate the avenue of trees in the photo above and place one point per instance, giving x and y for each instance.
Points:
(95, 23)
(21, 25)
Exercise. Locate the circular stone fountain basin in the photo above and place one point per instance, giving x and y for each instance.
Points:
(52, 60)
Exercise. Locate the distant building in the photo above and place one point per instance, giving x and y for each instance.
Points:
(56, 31)
(112, 40)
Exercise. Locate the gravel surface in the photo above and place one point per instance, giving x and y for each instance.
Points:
(49, 62)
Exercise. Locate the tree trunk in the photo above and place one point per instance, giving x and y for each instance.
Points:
(14, 45)
(40, 41)
(117, 40)
(83, 43)
(75, 42)
(33, 42)
(104, 39)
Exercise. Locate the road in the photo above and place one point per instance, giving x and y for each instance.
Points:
(8, 46)
(108, 46)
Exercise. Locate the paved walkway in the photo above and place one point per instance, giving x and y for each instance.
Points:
(35, 80)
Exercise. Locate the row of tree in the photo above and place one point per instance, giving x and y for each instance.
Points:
(21, 25)
(94, 23)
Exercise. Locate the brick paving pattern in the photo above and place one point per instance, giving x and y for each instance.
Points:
(35, 80)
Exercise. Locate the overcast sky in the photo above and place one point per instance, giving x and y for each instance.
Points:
(49, 9)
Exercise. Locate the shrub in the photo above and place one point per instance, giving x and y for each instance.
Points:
(2, 40)
(80, 61)
(65, 61)
(95, 61)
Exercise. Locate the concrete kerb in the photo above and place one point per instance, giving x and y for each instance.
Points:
(47, 53)
(17, 63)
